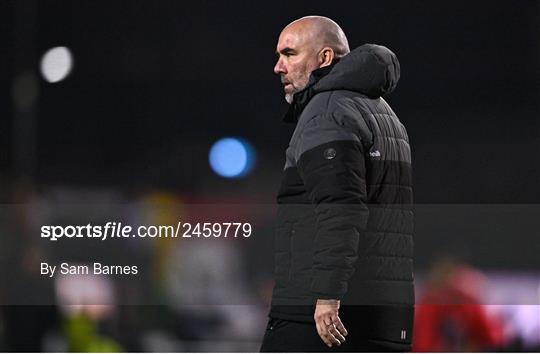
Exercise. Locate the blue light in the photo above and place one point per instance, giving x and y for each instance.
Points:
(231, 157)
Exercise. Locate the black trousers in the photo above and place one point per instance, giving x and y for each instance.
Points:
(370, 330)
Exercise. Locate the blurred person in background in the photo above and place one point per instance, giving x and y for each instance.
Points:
(88, 307)
(204, 280)
(450, 315)
(343, 248)
(26, 316)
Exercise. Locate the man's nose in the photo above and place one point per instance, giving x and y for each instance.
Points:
(279, 68)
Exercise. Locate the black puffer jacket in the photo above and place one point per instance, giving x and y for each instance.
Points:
(345, 218)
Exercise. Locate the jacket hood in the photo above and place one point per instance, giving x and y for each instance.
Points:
(372, 70)
(369, 69)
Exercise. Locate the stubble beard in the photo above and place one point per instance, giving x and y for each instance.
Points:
(303, 81)
(289, 97)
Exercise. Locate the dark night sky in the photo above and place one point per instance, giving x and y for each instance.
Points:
(155, 83)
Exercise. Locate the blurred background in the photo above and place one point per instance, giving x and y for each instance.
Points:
(142, 111)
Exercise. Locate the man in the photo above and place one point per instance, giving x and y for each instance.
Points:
(343, 247)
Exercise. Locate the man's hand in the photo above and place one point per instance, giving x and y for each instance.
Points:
(328, 324)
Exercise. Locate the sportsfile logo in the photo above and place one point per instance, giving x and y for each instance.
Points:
(119, 230)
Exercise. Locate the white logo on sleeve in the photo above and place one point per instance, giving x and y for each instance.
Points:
(403, 334)
(375, 153)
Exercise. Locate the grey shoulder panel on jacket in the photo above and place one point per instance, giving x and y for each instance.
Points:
(332, 116)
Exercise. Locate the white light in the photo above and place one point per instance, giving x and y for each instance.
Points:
(56, 64)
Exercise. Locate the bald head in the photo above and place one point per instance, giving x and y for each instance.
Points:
(304, 45)
(321, 32)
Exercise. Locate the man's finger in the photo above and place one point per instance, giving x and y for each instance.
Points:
(332, 329)
(339, 325)
(332, 338)
(327, 330)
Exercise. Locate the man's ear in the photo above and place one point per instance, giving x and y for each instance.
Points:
(326, 56)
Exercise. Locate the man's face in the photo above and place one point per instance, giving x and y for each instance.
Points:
(297, 58)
